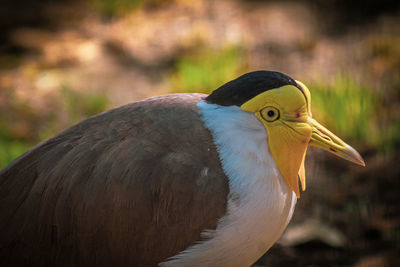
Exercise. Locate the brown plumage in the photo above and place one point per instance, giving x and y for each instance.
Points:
(114, 190)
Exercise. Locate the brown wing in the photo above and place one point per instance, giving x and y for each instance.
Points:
(128, 187)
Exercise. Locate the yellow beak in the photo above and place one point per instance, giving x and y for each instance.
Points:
(325, 139)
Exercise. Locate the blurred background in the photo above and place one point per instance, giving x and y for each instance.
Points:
(64, 60)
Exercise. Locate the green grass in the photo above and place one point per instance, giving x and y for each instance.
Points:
(11, 149)
(113, 8)
(205, 70)
(348, 107)
(356, 113)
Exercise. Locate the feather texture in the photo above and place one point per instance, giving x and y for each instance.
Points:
(129, 187)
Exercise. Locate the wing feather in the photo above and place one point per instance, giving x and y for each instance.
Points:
(128, 187)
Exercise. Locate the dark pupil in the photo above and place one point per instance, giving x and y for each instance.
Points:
(271, 113)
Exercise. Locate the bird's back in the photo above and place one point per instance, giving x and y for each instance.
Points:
(114, 190)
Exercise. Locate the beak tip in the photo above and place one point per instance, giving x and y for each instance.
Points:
(362, 162)
(355, 157)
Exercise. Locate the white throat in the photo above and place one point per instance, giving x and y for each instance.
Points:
(260, 204)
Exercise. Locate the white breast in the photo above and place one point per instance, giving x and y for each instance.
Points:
(260, 204)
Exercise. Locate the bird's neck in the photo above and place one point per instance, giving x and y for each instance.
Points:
(260, 204)
(242, 143)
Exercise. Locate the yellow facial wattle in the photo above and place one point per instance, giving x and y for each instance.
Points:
(286, 115)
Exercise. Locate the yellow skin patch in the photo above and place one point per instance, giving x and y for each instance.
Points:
(286, 115)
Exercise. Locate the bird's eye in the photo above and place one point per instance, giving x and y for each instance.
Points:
(270, 114)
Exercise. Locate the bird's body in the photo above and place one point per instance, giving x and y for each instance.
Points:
(60, 205)
(176, 180)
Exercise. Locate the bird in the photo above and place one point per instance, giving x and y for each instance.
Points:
(174, 180)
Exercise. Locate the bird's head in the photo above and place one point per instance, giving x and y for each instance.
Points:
(283, 106)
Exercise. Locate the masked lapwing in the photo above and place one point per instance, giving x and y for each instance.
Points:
(174, 180)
